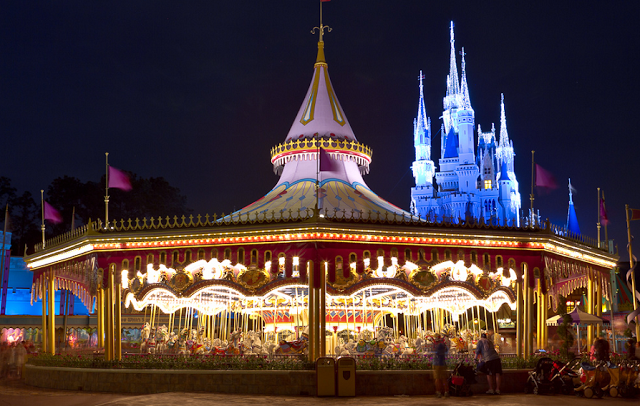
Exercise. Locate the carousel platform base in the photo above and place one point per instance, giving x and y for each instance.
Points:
(288, 383)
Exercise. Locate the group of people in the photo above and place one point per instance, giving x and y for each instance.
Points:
(489, 364)
(12, 358)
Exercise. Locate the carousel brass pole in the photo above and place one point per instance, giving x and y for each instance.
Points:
(539, 315)
(527, 314)
(312, 312)
(590, 309)
(99, 342)
(598, 302)
(43, 296)
(118, 316)
(322, 313)
(519, 321)
(51, 338)
(110, 318)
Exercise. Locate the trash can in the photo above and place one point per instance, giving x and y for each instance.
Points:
(325, 376)
(346, 376)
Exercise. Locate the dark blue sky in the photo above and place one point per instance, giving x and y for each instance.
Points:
(199, 91)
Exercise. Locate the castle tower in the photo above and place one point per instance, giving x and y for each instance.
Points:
(572, 218)
(423, 167)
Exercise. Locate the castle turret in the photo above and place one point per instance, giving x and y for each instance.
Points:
(423, 167)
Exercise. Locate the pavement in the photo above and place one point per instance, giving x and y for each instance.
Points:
(17, 393)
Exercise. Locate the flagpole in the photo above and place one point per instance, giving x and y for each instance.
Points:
(106, 196)
(73, 218)
(42, 206)
(633, 273)
(531, 197)
(606, 235)
(599, 218)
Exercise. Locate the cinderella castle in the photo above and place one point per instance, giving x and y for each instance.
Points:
(469, 185)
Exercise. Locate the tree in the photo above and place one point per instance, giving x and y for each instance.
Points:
(24, 219)
(149, 197)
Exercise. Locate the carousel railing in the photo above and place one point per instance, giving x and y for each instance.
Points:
(300, 215)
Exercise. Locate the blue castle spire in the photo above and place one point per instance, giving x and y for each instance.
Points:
(572, 219)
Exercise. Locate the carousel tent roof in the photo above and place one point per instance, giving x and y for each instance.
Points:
(343, 191)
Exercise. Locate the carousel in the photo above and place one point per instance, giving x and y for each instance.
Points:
(404, 303)
(319, 265)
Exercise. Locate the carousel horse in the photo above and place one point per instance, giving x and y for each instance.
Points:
(144, 336)
(162, 338)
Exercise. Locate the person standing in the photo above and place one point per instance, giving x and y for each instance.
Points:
(492, 364)
(440, 366)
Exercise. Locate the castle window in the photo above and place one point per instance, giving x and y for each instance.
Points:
(241, 255)
(149, 259)
(137, 264)
(200, 254)
(174, 259)
(267, 256)
(188, 257)
(227, 253)
(353, 258)
(254, 257)
(447, 255)
(498, 261)
(163, 258)
(407, 254)
(474, 257)
(487, 183)
(214, 253)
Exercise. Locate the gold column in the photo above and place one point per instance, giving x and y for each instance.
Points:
(598, 302)
(109, 318)
(312, 313)
(45, 348)
(538, 315)
(51, 336)
(118, 328)
(322, 313)
(590, 309)
(98, 316)
(528, 316)
(519, 320)
(545, 315)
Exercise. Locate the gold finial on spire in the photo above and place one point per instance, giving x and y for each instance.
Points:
(321, 28)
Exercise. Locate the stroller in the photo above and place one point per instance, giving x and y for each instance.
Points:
(461, 379)
(613, 387)
(565, 377)
(540, 379)
(627, 387)
(594, 379)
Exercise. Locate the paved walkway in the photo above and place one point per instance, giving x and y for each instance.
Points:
(16, 393)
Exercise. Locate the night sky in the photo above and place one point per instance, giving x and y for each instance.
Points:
(199, 91)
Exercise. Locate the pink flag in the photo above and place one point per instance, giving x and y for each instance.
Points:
(604, 217)
(119, 179)
(326, 162)
(545, 179)
(52, 214)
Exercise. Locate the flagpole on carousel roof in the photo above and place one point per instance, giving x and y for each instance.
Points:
(605, 223)
(599, 219)
(42, 207)
(106, 195)
(531, 197)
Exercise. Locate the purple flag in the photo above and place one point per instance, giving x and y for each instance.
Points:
(545, 179)
(604, 217)
(326, 162)
(119, 179)
(52, 214)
